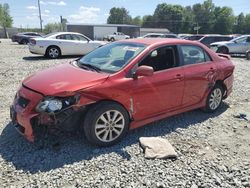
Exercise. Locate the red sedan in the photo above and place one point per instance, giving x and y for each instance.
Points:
(122, 86)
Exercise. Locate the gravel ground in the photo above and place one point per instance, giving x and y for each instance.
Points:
(213, 149)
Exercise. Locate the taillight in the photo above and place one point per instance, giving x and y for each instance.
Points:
(33, 41)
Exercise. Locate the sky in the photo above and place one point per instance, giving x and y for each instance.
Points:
(25, 12)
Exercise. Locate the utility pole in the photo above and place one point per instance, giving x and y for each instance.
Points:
(61, 20)
(40, 16)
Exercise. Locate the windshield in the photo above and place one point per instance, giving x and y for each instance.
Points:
(112, 57)
(240, 39)
(50, 34)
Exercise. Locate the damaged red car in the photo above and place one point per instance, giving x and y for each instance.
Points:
(121, 86)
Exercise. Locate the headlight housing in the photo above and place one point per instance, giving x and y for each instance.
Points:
(55, 104)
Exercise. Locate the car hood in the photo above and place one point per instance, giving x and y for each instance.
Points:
(220, 43)
(63, 79)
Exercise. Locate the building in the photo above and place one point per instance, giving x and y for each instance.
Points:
(99, 31)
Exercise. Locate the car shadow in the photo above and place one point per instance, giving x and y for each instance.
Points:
(40, 58)
(55, 152)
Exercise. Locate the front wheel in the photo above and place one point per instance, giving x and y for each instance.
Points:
(214, 99)
(248, 55)
(223, 50)
(106, 123)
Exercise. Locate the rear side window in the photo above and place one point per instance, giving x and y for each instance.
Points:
(193, 55)
(64, 37)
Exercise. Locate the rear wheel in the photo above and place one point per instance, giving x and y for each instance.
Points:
(223, 50)
(112, 39)
(214, 99)
(24, 41)
(106, 123)
(53, 52)
(248, 55)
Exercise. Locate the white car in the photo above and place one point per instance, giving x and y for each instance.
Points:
(116, 36)
(57, 44)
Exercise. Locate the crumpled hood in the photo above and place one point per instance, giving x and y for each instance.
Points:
(63, 79)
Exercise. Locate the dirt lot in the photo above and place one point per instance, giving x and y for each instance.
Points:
(213, 149)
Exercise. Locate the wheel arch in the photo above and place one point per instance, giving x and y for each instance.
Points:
(223, 85)
(53, 45)
(129, 112)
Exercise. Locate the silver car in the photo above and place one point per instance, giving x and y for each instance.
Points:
(238, 45)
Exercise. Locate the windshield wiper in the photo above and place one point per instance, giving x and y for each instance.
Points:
(89, 66)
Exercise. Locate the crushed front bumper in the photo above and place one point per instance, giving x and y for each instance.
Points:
(23, 110)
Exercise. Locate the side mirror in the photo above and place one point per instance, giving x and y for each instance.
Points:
(144, 71)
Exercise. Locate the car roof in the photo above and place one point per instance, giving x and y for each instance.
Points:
(159, 41)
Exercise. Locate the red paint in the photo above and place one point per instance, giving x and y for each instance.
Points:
(146, 98)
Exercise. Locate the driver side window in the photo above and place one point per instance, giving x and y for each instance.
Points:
(161, 58)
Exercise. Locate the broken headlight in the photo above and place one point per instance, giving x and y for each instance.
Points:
(56, 104)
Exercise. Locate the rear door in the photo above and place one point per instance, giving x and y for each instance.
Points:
(66, 44)
(83, 45)
(199, 73)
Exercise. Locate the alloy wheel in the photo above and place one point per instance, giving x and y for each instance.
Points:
(109, 125)
(53, 52)
(215, 99)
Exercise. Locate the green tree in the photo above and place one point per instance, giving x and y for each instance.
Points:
(52, 27)
(5, 18)
(188, 20)
(119, 16)
(148, 21)
(169, 16)
(239, 26)
(204, 16)
(137, 21)
(224, 21)
(247, 24)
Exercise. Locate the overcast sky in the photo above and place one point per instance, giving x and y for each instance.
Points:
(25, 12)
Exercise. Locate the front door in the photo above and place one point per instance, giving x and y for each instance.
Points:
(161, 92)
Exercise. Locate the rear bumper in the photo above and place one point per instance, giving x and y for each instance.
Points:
(22, 116)
(35, 49)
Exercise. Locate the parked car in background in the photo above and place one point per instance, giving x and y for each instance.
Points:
(23, 38)
(159, 35)
(239, 45)
(116, 36)
(194, 37)
(208, 39)
(123, 85)
(58, 44)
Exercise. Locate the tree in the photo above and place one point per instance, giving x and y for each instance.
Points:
(239, 26)
(204, 16)
(137, 21)
(5, 18)
(119, 16)
(52, 27)
(148, 21)
(247, 24)
(224, 21)
(169, 16)
(188, 20)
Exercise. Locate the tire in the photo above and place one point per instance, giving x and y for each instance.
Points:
(24, 41)
(112, 39)
(248, 55)
(223, 50)
(53, 52)
(106, 124)
(214, 99)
